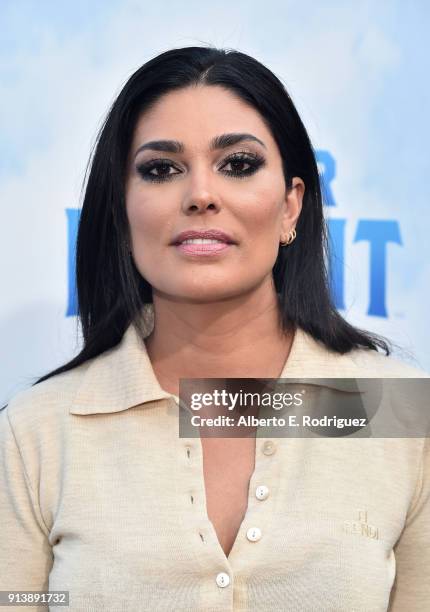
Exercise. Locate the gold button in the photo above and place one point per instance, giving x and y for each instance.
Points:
(269, 447)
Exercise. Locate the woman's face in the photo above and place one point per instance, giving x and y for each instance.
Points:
(234, 185)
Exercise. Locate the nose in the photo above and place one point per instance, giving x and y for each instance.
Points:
(200, 196)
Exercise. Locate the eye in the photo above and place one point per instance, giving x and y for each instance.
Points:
(157, 170)
(243, 164)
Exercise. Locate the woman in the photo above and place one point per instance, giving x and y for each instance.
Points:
(200, 254)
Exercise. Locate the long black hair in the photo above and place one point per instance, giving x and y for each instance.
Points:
(110, 290)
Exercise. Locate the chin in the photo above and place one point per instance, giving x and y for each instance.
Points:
(204, 294)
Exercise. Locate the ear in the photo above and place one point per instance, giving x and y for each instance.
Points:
(293, 206)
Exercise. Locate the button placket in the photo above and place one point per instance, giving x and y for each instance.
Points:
(207, 546)
(207, 556)
(258, 517)
(188, 451)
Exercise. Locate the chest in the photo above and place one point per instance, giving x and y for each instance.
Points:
(228, 464)
(142, 503)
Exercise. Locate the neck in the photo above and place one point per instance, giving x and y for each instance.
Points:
(236, 338)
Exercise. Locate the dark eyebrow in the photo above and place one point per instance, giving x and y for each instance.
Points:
(219, 142)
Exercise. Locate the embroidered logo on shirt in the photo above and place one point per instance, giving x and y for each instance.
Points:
(361, 526)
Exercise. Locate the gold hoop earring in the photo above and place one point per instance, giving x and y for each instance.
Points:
(291, 237)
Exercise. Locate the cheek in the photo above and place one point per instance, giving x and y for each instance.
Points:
(148, 220)
(262, 218)
(263, 211)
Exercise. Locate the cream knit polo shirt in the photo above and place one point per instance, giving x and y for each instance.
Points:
(99, 496)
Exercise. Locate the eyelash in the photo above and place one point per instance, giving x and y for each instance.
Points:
(255, 161)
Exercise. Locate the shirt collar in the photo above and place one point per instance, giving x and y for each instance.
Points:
(123, 376)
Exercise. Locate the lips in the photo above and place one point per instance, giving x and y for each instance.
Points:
(209, 234)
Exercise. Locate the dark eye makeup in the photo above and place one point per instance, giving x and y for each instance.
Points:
(163, 167)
